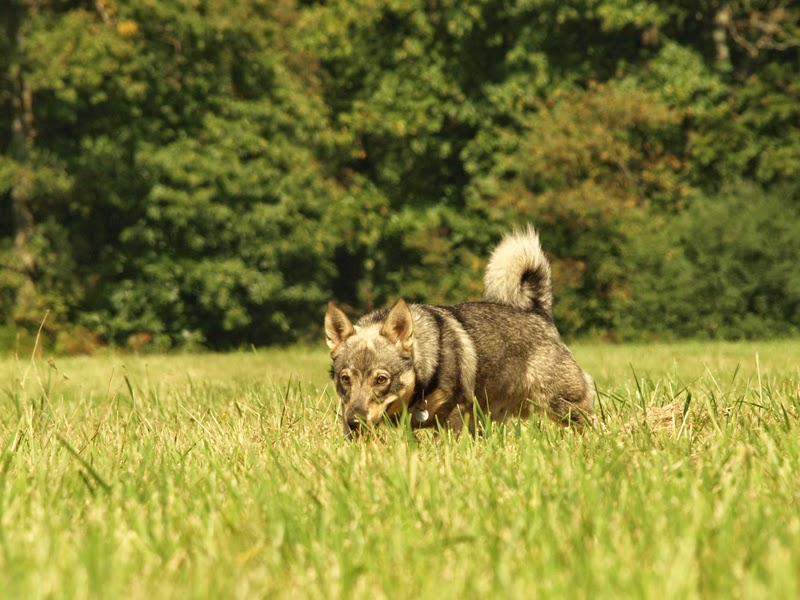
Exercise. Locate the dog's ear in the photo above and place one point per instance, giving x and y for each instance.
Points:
(398, 327)
(337, 327)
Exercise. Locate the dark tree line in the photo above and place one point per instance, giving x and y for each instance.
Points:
(212, 172)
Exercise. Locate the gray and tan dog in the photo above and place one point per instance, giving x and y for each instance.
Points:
(503, 353)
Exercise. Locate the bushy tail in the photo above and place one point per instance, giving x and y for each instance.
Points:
(518, 274)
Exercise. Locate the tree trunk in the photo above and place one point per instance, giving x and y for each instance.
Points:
(22, 136)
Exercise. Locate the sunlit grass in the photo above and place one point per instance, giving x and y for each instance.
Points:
(227, 476)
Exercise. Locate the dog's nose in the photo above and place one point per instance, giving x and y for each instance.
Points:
(354, 421)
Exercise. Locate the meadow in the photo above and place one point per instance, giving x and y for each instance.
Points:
(226, 476)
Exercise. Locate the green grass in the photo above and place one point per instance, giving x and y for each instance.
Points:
(227, 476)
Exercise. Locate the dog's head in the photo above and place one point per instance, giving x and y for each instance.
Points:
(372, 369)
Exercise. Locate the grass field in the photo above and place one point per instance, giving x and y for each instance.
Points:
(226, 476)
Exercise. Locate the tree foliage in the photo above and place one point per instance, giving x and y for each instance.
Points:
(213, 172)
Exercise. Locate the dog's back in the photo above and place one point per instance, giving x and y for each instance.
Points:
(522, 364)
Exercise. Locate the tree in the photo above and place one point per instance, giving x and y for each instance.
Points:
(15, 177)
(167, 148)
(215, 171)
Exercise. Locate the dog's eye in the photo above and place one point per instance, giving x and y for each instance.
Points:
(345, 379)
(381, 380)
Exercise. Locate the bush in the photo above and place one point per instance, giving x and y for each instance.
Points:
(724, 268)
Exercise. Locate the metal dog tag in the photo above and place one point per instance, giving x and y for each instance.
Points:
(421, 415)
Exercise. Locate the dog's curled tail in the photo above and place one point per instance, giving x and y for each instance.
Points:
(518, 274)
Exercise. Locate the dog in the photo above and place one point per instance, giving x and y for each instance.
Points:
(452, 366)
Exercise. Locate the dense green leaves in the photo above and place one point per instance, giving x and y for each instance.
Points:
(177, 170)
(181, 172)
(725, 270)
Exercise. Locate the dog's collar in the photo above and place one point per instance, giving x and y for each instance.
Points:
(419, 405)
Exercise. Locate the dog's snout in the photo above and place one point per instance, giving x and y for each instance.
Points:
(354, 422)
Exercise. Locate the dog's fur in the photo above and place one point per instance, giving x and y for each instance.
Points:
(436, 362)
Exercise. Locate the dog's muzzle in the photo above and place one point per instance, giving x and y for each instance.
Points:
(354, 422)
